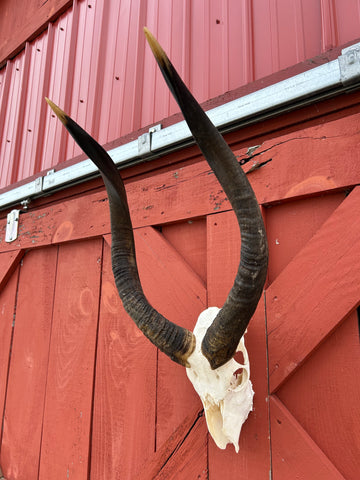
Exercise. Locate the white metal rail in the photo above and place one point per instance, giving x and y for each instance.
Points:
(321, 82)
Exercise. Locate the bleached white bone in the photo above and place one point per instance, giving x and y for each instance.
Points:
(227, 397)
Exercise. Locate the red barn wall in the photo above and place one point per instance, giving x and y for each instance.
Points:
(92, 61)
(82, 393)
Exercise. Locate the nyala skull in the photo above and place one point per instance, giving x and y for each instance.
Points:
(208, 351)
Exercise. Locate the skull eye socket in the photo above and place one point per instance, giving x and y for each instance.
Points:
(238, 373)
(239, 358)
(238, 378)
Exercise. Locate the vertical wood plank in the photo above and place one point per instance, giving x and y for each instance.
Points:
(28, 369)
(68, 404)
(178, 293)
(123, 430)
(253, 460)
(7, 310)
(223, 256)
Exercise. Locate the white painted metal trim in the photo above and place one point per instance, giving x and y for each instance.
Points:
(327, 80)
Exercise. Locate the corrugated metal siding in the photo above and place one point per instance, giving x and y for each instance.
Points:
(93, 61)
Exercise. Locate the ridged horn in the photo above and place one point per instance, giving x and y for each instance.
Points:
(223, 336)
(176, 342)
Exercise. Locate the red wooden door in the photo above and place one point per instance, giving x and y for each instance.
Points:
(159, 425)
(84, 395)
(50, 372)
(313, 338)
(312, 299)
(96, 398)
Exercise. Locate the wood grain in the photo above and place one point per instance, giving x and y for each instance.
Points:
(190, 459)
(290, 225)
(20, 450)
(303, 308)
(8, 263)
(294, 453)
(190, 190)
(18, 25)
(253, 460)
(7, 311)
(175, 290)
(183, 456)
(151, 468)
(323, 396)
(141, 401)
(189, 239)
(123, 426)
(69, 390)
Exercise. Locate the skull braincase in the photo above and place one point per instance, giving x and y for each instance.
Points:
(227, 396)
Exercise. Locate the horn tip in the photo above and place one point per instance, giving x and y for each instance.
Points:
(156, 48)
(57, 110)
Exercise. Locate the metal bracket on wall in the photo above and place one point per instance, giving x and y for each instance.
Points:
(144, 141)
(325, 81)
(12, 226)
(349, 63)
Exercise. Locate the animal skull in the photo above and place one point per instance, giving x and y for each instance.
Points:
(227, 396)
(207, 352)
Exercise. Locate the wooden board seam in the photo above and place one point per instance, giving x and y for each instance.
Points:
(183, 440)
(9, 361)
(162, 457)
(15, 258)
(292, 422)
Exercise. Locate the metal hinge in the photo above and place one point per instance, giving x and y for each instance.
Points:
(144, 141)
(12, 226)
(349, 63)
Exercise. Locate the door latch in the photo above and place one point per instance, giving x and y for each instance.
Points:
(12, 226)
